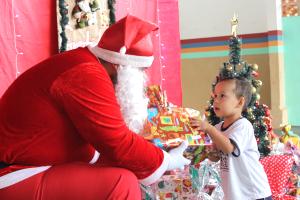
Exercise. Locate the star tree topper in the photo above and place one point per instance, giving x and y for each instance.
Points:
(234, 24)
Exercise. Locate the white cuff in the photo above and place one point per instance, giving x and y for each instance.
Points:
(95, 157)
(20, 175)
(121, 59)
(158, 172)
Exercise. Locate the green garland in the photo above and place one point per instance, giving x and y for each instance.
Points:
(112, 16)
(64, 20)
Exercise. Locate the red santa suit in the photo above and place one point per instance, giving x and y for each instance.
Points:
(61, 112)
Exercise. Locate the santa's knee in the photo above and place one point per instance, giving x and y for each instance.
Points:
(128, 178)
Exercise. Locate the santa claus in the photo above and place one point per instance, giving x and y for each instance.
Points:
(57, 116)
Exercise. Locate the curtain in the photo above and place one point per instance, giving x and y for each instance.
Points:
(27, 36)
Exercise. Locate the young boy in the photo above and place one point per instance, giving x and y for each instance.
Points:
(243, 177)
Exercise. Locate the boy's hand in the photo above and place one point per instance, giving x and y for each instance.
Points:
(199, 123)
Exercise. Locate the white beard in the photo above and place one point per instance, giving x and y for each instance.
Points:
(131, 96)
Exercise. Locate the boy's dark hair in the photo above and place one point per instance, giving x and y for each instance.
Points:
(243, 88)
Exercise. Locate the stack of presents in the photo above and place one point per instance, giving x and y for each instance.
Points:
(168, 126)
(283, 165)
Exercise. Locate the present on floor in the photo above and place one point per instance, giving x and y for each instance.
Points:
(195, 182)
(171, 187)
(283, 170)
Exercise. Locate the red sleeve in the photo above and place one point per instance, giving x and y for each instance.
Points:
(87, 95)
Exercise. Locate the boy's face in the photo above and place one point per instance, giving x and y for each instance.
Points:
(226, 104)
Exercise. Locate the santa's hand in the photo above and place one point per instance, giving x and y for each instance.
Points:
(177, 161)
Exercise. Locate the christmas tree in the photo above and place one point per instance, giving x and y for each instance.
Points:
(258, 114)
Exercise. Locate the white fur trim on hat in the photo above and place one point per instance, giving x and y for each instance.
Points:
(121, 59)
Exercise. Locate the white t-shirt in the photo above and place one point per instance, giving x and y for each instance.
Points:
(243, 176)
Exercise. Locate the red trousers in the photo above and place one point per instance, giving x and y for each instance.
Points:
(76, 181)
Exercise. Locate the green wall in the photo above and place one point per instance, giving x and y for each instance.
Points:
(291, 39)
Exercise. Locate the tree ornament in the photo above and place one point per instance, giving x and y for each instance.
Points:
(76, 12)
(257, 83)
(229, 67)
(270, 128)
(95, 5)
(251, 116)
(269, 147)
(253, 90)
(266, 138)
(267, 119)
(268, 112)
(254, 67)
(82, 23)
(255, 74)
(249, 111)
(260, 83)
(257, 96)
(207, 114)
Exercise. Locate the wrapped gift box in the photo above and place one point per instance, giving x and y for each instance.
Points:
(168, 126)
(279, 170)
(167, 129)
(170, 187)
(201, 182)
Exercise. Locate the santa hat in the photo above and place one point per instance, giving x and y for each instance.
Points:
(127, 42)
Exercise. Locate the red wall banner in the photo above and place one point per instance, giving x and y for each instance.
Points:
(29, 35)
